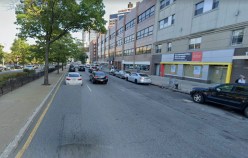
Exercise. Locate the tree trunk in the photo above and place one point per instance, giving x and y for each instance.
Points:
(46, 82)
(58, 67)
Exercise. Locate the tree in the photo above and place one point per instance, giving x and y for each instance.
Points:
(49, 20)
(20, 50)
(1, 53)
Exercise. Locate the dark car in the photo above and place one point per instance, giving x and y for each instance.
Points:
(232, 95)
(98, 77)
(93, 68)
(72, 68)
(81, 68)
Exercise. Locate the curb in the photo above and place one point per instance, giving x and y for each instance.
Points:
(13, 145)
(175, 90)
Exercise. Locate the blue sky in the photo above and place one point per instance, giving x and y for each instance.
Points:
(7, 19)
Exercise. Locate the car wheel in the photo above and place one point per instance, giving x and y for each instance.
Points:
(126, 78)
(198, 98)
(246, 111)
(136, 81)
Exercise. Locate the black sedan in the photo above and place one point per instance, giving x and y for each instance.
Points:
(232, 95)
(81, 68)
(98, 77)
(72, 68)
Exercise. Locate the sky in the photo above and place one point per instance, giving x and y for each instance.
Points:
(8, 29)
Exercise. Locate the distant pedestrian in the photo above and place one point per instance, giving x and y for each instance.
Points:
(241, 79)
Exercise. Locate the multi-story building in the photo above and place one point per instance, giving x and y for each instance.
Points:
(201, 40)
(128, 44)
(93, 51)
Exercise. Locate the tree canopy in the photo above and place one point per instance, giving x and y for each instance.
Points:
(49, 20)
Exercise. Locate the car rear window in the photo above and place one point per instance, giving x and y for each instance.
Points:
(143, 75)
(73, 75)
(100, 74)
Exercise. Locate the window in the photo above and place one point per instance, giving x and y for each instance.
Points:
(215, 4)
(145, 32)
(225, 88)
(144, 49)
(173, 19)
(164, 3)
(199, 8)
(130, 24)
(195, 43)
(242, 90)
(169, 45)
(146, 14)
(158, 48)
(237, 37)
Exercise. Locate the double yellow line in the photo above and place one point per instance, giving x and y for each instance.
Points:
(32, 134)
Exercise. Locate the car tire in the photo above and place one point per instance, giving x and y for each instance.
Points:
(126, 78)
(136, 81)
(246, 111)
(198, 98)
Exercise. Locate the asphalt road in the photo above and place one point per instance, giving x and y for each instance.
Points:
(125, 120)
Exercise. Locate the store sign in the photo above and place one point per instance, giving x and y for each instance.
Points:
(196, 56)
(183, 56)
(189, 56)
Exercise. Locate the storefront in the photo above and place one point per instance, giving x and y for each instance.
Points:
(143, 66)
(205, 66)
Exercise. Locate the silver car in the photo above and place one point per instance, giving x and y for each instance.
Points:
(140, 78)
(123, 74)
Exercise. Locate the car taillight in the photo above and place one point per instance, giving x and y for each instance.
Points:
(80, 79)
(68, 79)
(96, 77)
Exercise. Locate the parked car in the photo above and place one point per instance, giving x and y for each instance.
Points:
(81, 68)
(73, 78)
(116, 72)
(111, 71)
(139, 78)
(232, 95)
(98, 77)
(123, 74)
(29, 67)
(72, 68)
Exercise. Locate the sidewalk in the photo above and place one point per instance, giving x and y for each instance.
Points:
(18, 106)
(184, 86)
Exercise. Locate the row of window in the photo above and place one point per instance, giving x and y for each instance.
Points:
(144, 49)
(120, 31)
(118, 54)
(145, 32)
(164, 3)
(130, 24)
(195, 43)
(129, 39)
(146, 14)
(128, 52)
(119, 42)
(167, 21)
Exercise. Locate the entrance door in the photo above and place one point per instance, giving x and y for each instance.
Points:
(157, 67)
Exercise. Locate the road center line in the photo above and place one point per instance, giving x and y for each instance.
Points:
(89, 88)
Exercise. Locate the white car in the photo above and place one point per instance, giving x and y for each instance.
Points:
(139, 78)
(73, 78)
(29, 67)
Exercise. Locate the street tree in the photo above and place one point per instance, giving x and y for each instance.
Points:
(20, 50)
(49, 20)
(1, 53)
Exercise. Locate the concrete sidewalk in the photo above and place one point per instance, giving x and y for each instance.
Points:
(184, 86)
(17, 107)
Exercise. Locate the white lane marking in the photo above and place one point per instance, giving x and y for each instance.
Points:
(89, 88)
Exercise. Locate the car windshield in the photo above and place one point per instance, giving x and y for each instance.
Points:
(143, 75)
(73, 75)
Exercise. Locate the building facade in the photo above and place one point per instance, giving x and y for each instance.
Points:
(93, 51)
(199, 40)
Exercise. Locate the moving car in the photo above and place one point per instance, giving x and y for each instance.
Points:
(81, 68)
(72, 68)
(98, 77)
(93, 68)
(232, 95)
(139, 78)
(73, 78)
